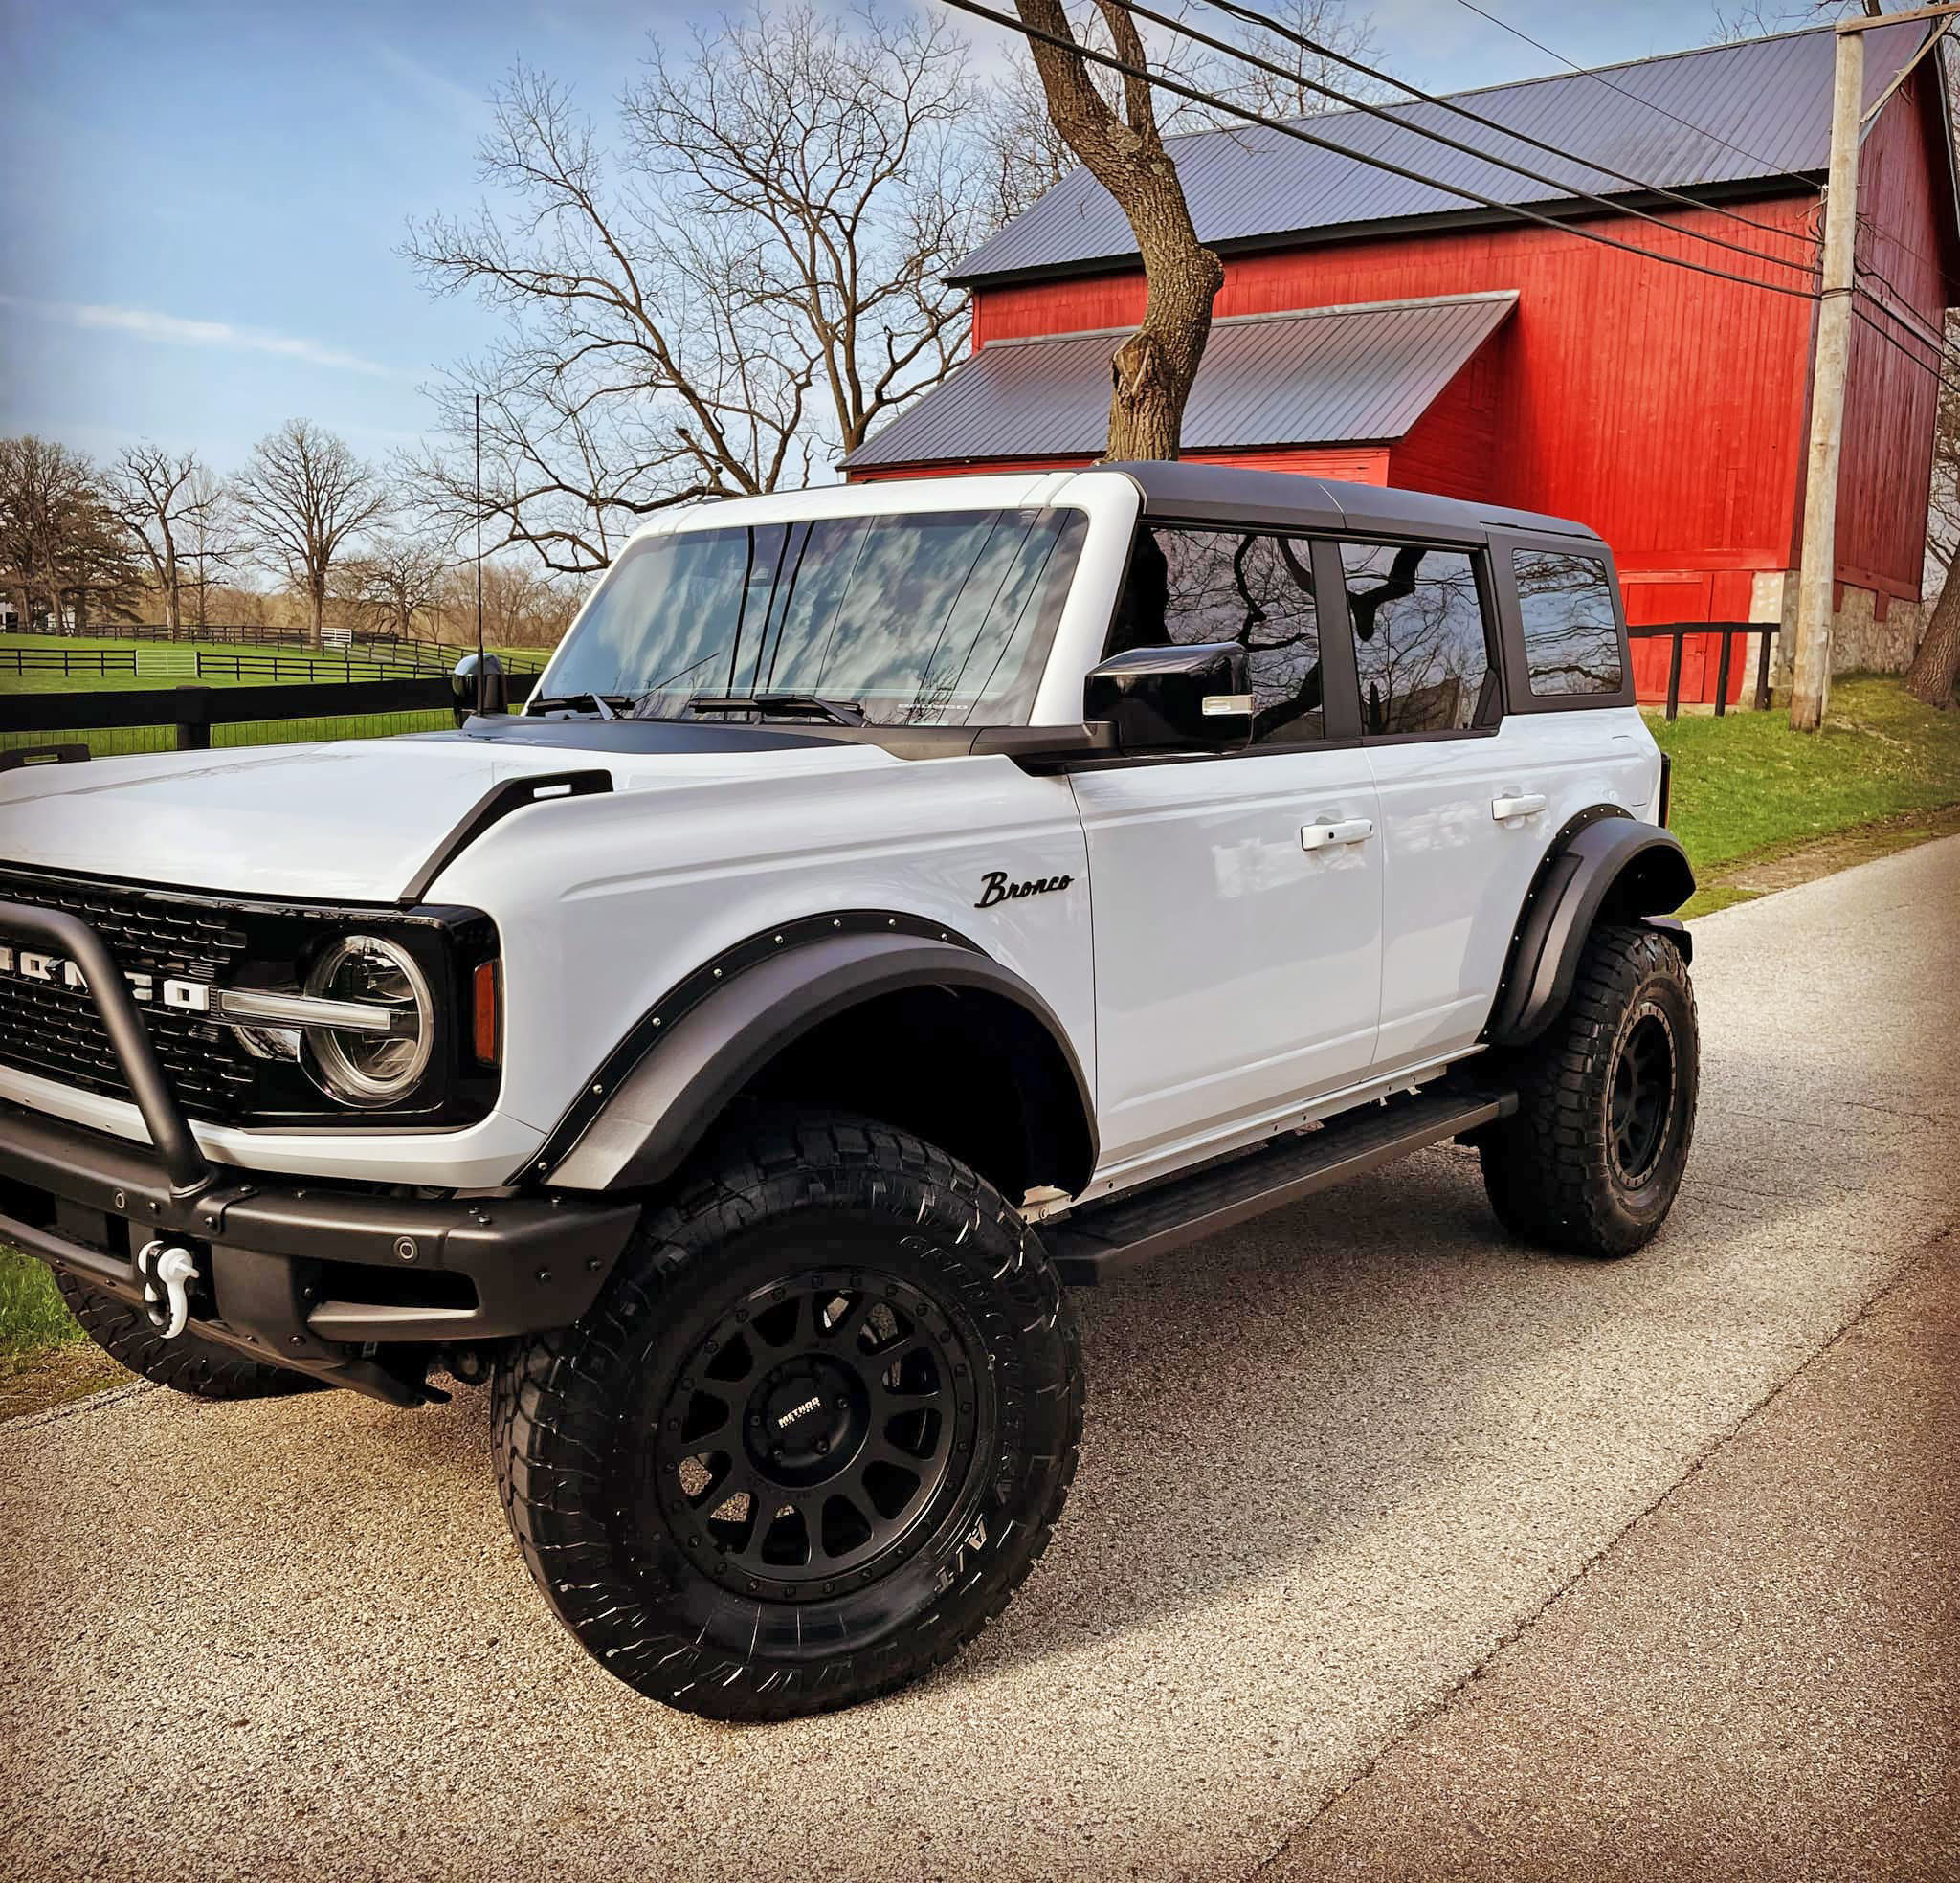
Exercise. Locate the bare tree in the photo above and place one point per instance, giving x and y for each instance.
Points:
(397, 578)
(149, 490)
(1302, 92)
(1936, 664)
(1123, 148)
(208, 539)
(523, 606)
(300, 497)
(744, 283)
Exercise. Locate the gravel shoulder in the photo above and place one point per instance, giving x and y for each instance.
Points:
(1334, 1463)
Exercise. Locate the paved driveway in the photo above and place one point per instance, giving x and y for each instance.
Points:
(1333, 1463)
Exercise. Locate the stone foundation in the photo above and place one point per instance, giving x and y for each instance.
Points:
(1860, 643)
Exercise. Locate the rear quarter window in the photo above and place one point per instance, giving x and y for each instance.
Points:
(1564, 614)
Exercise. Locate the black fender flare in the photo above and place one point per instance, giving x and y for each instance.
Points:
(1611, 865)
(673, 1076)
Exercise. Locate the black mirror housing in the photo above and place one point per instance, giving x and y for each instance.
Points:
(1171, 699)
(465, 690)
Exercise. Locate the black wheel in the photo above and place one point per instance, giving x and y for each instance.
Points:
(1592, 1159)
(812, 1437)
(187, 1365)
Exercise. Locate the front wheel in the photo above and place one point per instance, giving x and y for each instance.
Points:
(1592, 1159)
(812, 1437)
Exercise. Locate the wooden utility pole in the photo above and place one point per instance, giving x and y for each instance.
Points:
(1810, 690)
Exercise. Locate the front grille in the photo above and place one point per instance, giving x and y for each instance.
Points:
(52, 1029)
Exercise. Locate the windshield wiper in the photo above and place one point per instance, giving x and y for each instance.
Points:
(605, 704)
(811, 705)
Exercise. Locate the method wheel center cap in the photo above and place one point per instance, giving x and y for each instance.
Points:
(807, 1419)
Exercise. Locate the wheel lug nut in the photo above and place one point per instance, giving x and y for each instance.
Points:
(823, 1444)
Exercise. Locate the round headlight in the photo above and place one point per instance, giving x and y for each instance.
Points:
(373, 1063)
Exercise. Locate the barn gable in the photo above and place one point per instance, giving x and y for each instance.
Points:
(1718, 122)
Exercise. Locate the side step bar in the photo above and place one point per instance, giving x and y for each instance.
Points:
(1102, 1240)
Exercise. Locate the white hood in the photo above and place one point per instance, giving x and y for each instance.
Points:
(349, 821)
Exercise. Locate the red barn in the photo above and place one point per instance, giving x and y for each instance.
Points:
(1375, 328)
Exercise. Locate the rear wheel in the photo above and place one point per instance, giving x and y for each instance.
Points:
(812, 1436)
(1592, 1159)
(187, 1365)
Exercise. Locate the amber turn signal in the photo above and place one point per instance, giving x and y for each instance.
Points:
(487, 1006)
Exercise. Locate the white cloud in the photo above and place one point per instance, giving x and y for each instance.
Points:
(172, 330)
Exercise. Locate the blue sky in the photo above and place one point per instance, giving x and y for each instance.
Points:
(201, 202)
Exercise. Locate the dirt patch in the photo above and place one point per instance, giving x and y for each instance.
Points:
(37, 1381)
(1786, 866)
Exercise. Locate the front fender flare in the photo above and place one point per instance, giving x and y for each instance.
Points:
(1615, 868)
(659, 1111)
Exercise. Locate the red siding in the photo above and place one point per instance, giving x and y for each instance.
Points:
(1661, 406)
(1891, 403)
(1452, 449)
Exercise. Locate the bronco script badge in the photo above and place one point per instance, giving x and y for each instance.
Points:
(999, 890)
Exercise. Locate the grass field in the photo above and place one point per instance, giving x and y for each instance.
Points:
(1748, 789)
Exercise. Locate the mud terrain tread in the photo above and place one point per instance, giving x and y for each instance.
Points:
(551, 1435)
(186, 1364)
(1546, 1169)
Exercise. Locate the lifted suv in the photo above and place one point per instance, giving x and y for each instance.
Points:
(897, 902)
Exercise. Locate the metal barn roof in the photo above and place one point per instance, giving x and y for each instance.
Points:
(1329, 376)
(1697, 121)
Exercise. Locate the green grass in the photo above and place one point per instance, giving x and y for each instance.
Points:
(1746, 787)
(33, 1317)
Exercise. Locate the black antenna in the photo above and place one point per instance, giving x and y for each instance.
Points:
(482, 676)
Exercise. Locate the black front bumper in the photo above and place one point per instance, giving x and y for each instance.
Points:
(307, 1276)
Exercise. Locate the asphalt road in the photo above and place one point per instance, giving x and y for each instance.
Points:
(1335, 1464)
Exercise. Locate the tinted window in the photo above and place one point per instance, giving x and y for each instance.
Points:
(933, 618)
(1565, 606)
(1420, 645)
(1191, 585)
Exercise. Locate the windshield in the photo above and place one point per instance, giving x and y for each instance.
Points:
(932, 618)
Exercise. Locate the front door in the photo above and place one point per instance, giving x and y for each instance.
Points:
(1236, 899)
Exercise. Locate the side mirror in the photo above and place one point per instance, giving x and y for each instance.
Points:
(1174, 698)
(464, 687)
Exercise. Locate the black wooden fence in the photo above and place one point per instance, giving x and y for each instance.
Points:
(1677, 631)
(38, 727)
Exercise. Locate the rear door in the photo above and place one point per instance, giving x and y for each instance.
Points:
(1236, 897)
(1477, 774)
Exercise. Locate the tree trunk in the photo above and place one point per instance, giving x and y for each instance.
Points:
(172, 611)
(316, 596)
(1154, 368)
(1932, 675)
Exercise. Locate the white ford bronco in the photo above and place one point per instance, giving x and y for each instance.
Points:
(895, 903)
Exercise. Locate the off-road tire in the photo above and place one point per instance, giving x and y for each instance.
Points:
(187, 1365)
(1557, 1172)
(647, 1571)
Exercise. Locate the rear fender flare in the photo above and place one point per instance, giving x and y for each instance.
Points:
(1603, 866)
(675, 1076)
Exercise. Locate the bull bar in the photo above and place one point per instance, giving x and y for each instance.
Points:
(317, 1277)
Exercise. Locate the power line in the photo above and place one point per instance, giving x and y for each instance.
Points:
(1162, 82)
(1451, 105)
(1389, 116)
(1137, 9)
(1584, 72)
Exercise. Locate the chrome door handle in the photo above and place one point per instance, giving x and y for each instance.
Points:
(1523, 807)
(1349, 831)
